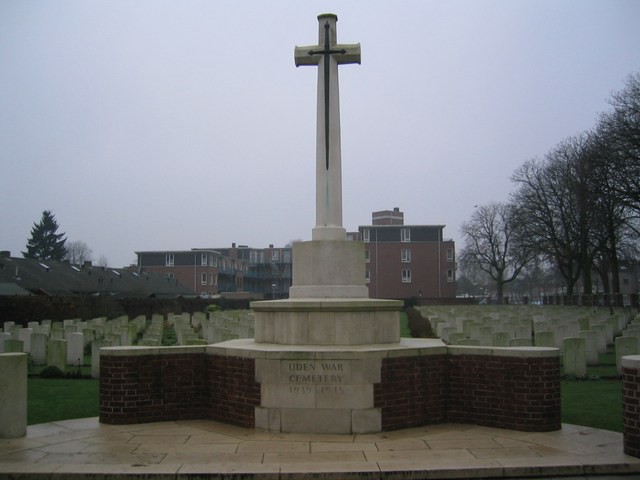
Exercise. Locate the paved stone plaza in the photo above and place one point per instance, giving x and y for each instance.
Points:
(84, 448)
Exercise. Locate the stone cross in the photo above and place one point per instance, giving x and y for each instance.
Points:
(327, 55)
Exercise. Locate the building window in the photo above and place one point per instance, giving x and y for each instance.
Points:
(365, 235)
(367, 258)
(367, 276)
(203, 259)
(169, 260)
(406, 276)
(169, 276)
(215, 279)
(450, 276)
(405, 235)
(203, 279)
(405, 255)
(449, 255)
(275, 255)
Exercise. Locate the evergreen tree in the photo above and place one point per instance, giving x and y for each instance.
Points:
(45, 243)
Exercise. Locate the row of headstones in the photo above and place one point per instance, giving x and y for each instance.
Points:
(580, 338)
(63, 344)
(532, 330)
(219, 327)
(118, 330)
(190, 329)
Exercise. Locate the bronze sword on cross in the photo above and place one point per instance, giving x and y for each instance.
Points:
(341, 53)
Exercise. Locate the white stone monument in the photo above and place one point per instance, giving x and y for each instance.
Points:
(319, 353)
(328, 301)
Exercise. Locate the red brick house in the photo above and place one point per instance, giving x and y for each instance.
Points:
(407, 261)
(206, 271)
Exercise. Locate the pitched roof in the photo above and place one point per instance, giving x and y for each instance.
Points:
(12, 289)
(63, 278)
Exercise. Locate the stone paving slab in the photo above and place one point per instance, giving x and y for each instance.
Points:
(84, 448)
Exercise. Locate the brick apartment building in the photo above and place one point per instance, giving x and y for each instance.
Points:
(406, 261)
(269, 272)
(205, 271)
(262, 272)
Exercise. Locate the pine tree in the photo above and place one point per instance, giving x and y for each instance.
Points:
(45, 243)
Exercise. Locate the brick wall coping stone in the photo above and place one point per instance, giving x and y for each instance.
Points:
(407, 347)
(135, 351)
(327, 304)
(631, 361)
(517, 352)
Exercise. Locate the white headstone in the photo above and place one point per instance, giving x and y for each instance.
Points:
(57, 354)
(24, 334)
(75, 349)
(545, 339)
(95, 356)
(13, 395)
(591, 343)
(575, 356)
(4, 336)
(39, 348)
(13, 346)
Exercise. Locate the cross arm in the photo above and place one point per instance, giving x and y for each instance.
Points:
(347, 53)
(302, 57)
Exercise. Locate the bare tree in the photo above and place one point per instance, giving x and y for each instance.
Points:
(621, 127)
(554, 203)
(616, 146)
(490, 243)
(78, 252)
(103, 261)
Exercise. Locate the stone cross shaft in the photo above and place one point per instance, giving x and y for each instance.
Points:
(327, 55)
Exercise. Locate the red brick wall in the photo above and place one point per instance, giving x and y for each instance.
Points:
(412, 391)
(505, 392)
(150, 388)
(233, 390)
(631, 410)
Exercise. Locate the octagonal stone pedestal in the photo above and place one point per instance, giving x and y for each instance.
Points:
(317, 360)
(327, 321)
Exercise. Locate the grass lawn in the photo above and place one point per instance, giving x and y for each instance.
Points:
(51, 399)
(595, 403)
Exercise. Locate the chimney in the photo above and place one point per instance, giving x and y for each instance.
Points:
(271, 245)
(87, 264)
(5, 254)
(233, 245)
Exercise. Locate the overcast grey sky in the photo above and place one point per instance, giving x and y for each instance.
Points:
(152, 125)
